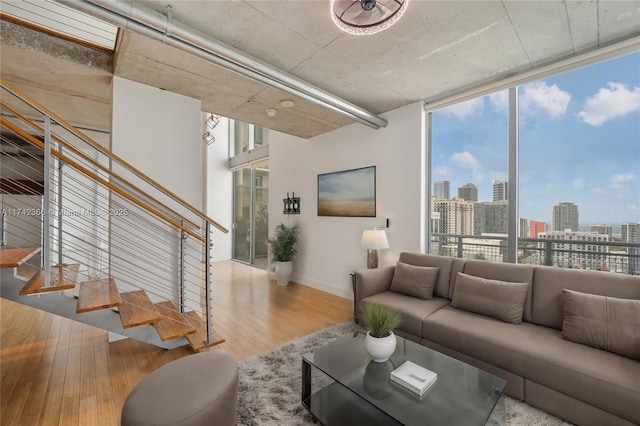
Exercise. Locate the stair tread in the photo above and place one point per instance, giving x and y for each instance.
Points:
(198, 339)
(137, 309)
(173, 324)
(65, 274)
(63, 277)
(14, 257)
(98, 294)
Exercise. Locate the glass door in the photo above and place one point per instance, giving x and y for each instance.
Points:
(251, 215)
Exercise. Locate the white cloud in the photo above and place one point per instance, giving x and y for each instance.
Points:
(577, 183)
(466, 109)
(465, 159)
(442, 171)
(539, 98)
(615, 101)
(633, 207)
(621, 182)
(500, 100)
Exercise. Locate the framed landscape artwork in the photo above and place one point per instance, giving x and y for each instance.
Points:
(348, 193)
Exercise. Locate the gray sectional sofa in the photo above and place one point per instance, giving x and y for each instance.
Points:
(549, 332)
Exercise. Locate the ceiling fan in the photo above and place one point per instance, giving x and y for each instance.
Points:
(366, 16)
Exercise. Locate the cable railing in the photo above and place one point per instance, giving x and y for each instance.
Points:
(67, 193)
(611, 256)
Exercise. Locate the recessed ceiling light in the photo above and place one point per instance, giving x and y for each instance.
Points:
(271, 112)
(287, 103)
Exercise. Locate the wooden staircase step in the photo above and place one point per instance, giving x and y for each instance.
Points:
(98, 294)
(137, 309)
(65, 274)
(63, 277)
(198, 339)
(14, 257)
(173, 324)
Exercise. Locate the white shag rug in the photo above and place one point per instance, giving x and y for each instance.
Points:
(270, 386)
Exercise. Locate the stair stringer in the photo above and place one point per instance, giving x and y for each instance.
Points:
(65, 306)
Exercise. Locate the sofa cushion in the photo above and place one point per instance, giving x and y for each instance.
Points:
(548, 283)
(502, 300)
(504, 272)
(541, 355)
(603, 379)
(444, 263)
(413, 309)
(602, 322)
(487, 339)
(412, 280)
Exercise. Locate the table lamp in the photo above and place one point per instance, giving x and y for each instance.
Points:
(374, 240)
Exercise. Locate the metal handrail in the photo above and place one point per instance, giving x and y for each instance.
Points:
(26, 136)
(97, 164)
(456, 245)
(73, 130)
(83, 241)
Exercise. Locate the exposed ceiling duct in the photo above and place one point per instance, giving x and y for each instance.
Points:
(160, 27)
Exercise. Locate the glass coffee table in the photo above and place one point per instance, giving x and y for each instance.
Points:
(347, 388)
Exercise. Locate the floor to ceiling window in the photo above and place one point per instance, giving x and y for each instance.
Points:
(572, 169)
(469, 179)
(250, 195)
(579, 174)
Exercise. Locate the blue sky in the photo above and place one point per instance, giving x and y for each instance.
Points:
(579, 142)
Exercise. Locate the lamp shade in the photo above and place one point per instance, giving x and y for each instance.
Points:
(374, 239)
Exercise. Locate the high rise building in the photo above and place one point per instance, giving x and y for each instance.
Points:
(577, 249)
(602, 229)
(490, 217)
(564, 216)
(468, 192)
(441, 190)
(536, 228)
(631, 232)
(499, 190)
(456, 216)
(523, 228)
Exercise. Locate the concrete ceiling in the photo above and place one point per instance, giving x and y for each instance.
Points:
(437, 49)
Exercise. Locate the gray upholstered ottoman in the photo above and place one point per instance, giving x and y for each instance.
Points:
(200, 389)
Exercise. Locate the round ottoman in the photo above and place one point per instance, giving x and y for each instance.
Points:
(200, 389)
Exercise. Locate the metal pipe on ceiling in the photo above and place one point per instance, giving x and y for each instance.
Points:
(155, 25)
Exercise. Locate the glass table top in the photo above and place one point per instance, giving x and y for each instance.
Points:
(463, 394)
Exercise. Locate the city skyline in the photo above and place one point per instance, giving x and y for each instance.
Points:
(579, 142)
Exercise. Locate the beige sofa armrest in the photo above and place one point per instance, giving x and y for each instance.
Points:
(370, 282)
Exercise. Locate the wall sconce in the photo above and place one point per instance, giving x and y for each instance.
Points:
(374, 240)
(208, 138)
(291, 204)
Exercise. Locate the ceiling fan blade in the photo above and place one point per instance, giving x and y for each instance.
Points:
(347, 6)
(384, 10)
(362, 18)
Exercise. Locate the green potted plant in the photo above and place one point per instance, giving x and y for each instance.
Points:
(283, 248)
(380, 342)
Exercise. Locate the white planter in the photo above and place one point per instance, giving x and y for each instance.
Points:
(380, 348)
(282, 271)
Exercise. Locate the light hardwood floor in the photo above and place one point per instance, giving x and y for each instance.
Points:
(55, 371)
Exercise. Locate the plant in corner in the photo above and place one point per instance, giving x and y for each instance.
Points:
(283, 248)
(380, 342)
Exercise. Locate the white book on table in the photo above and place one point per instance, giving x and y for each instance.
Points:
(413, 377)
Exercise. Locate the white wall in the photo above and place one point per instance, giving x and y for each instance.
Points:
(329, 247)
(158, 132)
(219, 193)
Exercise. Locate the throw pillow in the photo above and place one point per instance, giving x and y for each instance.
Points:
(412, 280)
(502, 300)
(602, 322)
